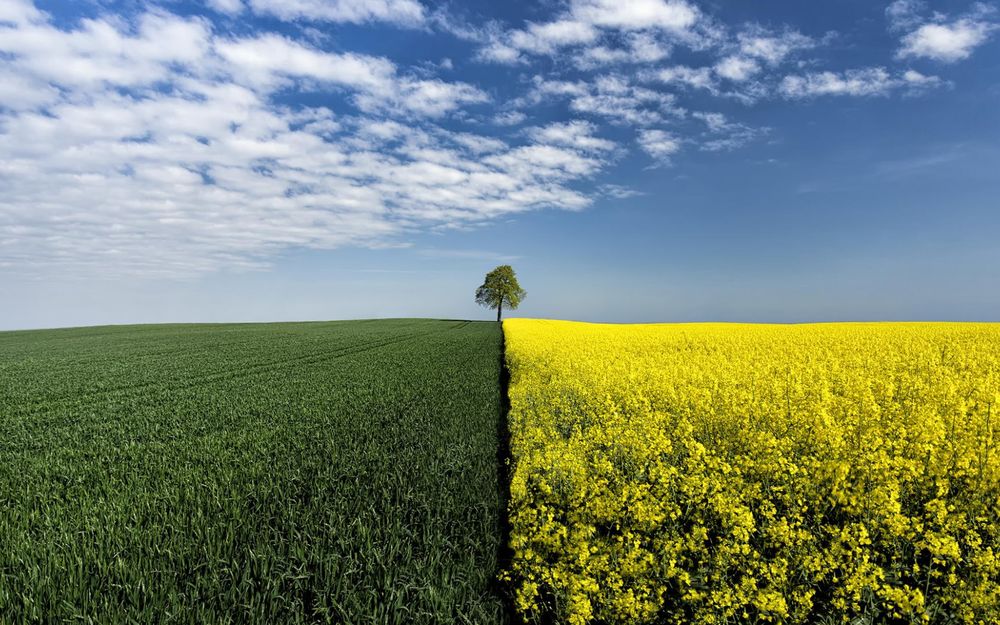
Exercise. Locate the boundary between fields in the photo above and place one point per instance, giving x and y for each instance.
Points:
(504, 471)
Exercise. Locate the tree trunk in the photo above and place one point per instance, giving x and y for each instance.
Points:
(499, 307)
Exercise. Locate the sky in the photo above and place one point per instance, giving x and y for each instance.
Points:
(633, 160)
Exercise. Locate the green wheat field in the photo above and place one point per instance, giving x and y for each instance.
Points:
(267, 473)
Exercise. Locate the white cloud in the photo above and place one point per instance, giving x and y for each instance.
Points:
(904, 14)
(268, 61)
(936, 36)
(728, 144)
(585, 22)
(640, 48)
(855, 82)
(509, 118)
(507, 47)
(20, 92)
(754, 50)
(84, 193)
(645, 48)
(19, 12)
(229, 7)
(946, 42)
(544, 89)
(545, 162)
(698, 78)
(545, 38)
(725, 135)
(757, 42)
(575, 134)
(99, 53)
(737, 68)
(497, 52)
(659, 144)
(716, 122)
(476, 143)
(433, 98)
(612, 96)
(618, 191)
(156, 147)
(915, 78)
(400, 12)
(871, 81)
(670, 15)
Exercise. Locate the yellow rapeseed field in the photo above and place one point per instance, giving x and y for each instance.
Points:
(731, 473)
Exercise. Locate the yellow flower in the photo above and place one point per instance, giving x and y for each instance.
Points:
(726, 473)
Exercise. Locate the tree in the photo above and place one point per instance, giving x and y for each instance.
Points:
(500, 289)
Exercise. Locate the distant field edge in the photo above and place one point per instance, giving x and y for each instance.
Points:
(209, 324)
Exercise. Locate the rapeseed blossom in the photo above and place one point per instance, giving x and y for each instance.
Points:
(729, 473)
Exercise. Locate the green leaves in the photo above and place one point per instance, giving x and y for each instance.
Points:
(500, 290)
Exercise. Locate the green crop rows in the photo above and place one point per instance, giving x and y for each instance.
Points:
(279, 473)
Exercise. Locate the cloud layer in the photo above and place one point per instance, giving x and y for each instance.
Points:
(157, 147)
(170, 145)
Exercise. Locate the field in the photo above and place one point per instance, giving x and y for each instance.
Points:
(676, 474)
(278, 473)
(734, 474)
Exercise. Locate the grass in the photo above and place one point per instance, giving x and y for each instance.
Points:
(271, 473)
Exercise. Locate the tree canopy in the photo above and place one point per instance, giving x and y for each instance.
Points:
(500, 290)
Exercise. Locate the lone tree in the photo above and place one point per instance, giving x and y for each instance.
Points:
(500, 290)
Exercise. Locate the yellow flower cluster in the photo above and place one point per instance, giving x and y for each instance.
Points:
(729, 473)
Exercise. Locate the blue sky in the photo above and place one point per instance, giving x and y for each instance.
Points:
(642, 160)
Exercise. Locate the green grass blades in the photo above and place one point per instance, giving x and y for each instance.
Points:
(266, 473)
